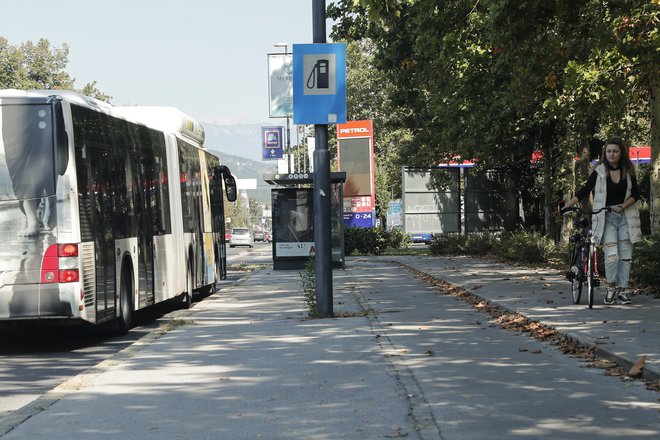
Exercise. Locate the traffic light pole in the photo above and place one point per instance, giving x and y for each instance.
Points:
(322, 194)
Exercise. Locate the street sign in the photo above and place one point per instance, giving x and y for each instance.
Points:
(272, 142)
(319, 83)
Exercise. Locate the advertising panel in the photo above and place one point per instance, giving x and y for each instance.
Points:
(355, 156)
(280, 85)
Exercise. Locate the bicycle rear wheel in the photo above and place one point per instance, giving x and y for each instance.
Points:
(590, 278)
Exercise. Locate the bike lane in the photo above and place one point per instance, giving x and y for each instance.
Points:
(469, 379)
(621, 333)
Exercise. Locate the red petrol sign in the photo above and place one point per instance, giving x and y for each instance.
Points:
(352, 129)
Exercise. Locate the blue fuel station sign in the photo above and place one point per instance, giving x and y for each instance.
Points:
(319, 83)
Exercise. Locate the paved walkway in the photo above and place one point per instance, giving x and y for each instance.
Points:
(620, 332)
(402, 361)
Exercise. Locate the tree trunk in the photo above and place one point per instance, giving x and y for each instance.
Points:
(550, 227)
(654, 203)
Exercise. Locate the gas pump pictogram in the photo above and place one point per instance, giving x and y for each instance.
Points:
(319, 77)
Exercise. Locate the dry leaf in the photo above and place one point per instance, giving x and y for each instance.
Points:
(636, 369)
(396, 433)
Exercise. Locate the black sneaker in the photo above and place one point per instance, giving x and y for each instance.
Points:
(622, 298)
(609, 296)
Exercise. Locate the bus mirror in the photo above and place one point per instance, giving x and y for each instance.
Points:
(223, 172)
(230, 188)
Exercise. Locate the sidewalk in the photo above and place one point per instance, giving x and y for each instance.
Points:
(402, 361)
(621, 333)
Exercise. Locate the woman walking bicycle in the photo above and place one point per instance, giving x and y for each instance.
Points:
(614, 184)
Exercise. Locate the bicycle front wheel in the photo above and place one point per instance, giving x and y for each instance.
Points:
(576, 286)
(590, 278)
(577, 268)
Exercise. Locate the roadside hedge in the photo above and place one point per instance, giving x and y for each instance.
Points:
(518, 247)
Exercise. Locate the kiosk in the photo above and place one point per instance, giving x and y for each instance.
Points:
(293, 219)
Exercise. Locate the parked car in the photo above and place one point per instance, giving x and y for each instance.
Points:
(259, 236)
(421, 238)
(241, 237)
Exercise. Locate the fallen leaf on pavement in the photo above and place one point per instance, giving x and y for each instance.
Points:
(636, 369)
(603, 363)
(396, 433)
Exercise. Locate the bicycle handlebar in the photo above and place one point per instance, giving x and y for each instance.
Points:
(566, 211)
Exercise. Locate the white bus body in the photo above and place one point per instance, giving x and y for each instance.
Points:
(104, 210)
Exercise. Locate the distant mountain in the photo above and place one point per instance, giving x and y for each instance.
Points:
(239, 147)
(240, 139)
(243, 168)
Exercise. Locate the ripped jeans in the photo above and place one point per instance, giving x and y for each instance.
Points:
(617, 249)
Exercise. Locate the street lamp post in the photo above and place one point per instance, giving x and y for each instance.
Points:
(288, 132)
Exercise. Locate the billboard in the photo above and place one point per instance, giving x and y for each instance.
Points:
(280, 85)
(355, 157)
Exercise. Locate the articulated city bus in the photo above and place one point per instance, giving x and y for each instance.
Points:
(104, 210)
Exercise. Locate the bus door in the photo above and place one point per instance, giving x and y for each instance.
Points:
(102, 222)
(145, 234)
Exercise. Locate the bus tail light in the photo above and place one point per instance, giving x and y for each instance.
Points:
(50, 265)
(67, 250)
(69, 276)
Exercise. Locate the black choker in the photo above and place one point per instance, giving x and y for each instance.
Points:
(614, 169)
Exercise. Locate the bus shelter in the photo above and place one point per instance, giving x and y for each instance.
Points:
(293, 219)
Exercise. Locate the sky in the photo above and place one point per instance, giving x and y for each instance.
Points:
(208, 58)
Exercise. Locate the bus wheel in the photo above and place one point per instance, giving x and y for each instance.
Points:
(188, 296)
(124, 321)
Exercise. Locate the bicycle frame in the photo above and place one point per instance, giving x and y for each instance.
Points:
(584, 258)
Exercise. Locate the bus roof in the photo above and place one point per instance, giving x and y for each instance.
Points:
(167, 119)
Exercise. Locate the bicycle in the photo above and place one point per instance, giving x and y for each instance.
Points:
(583, 258)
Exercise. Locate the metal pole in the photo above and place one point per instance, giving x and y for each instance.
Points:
(298, 168)
(322, 226)
(288, 145)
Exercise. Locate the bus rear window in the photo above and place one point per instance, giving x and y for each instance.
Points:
(26, 152)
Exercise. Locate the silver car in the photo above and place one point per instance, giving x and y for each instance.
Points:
(241, 237)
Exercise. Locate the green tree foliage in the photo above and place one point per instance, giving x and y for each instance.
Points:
(91, 91)
(39, 66)
(494, 80)
(34, 66)
(237, 213)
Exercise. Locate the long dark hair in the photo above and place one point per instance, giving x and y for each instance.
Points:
(625, 164)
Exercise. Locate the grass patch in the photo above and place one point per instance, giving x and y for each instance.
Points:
(175, 323)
